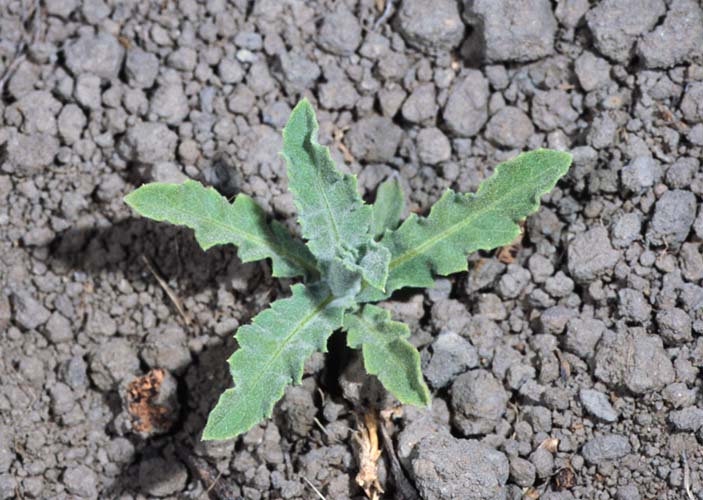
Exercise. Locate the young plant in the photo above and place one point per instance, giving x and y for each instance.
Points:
(354, 254)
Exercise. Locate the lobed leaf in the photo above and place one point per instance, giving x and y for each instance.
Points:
(215, 221)
(388, 207)
(271, 354)
(459, 224)
(331, 212)
(387, 353)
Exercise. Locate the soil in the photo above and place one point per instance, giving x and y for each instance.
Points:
(565, 366)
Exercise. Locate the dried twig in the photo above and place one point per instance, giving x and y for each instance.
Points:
(171, 294)
(386, 14)
(338, 136)
(404, 488)
(207, 474)
(320, 495)
(686, 476)
(20, 51)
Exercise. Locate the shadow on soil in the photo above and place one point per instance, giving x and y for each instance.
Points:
(175, 256)
(172, 251)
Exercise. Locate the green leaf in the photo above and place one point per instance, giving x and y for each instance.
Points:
(388, 207)
(217, 222)
(373, 262)
(344, 280)
(345, 277)
(271, 354)
(459, 224)
(387, 353)
(331, 212)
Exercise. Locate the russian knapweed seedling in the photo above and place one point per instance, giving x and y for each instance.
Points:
(355, 254)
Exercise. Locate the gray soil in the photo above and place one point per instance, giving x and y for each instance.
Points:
(565, 367)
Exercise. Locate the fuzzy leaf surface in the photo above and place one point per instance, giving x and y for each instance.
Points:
(388, 207)
(459, 224)
(271, 354)
(330, 210)
(216, 221)
(387, 354)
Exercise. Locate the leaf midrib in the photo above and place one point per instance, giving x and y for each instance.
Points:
(252, 239)
(299, 327)
(307, 319)
(328, 208)
(420, 249)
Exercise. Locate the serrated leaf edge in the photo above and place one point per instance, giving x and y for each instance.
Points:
(208, 433)
(282, 251)
(426, 398)
(461, 198)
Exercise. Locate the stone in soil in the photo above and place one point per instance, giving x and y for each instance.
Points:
(640, 175)
(478, 401)
(507, 31)
(433, 147)
(627, 229)
(161, 477)
(374, 139)
(165, 347)
(591, 255)
(616, 25)
(58, 329)
(340, 32)
(466, 110)
(28, 312)
(71, 123)
(592, 71)
(149, 143)
(522, 472)
(691, 261)
(447, 357)
(687, 420)
(674, 214)
(605, 447)
(421, 105)
(634, 360)
(582, 335)
(597, 404)
(445, 467)
(677, 40)
(674, 326)
(100, 54)
(112, 362)
(80, 481)
(28, 154)
(510, 127)
(432, 27)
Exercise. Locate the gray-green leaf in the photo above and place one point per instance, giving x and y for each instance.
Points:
(331, 212)
(271, 354)
(388, 207)
(387, 353)
(459, 224)
(217, 222)
(345, 276)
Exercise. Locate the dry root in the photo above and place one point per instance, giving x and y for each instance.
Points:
(366, 438)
